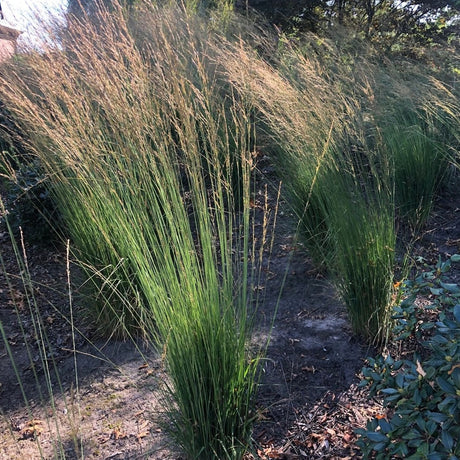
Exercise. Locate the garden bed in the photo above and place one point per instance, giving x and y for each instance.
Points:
(308, 404)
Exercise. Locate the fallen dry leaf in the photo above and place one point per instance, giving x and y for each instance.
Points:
(117, 433)
(142, 434)
(146, 369)
(50, 319)
(17, 299)
(261, 414)
(269, 452)
(453, 368)
(103, 438)
(347, 437)
(420, 369)
(142, 430)
(32, 429)
(311, 369)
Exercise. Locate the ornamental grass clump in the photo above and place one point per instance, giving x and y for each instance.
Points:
(340, 188)
(416, 116)
(362, 217)
(420, 160)
(298, 114)
(444, 113)
(149, 162)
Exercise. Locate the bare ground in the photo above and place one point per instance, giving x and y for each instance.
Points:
(105, 403)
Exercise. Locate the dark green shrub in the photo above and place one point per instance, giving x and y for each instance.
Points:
(422, 393)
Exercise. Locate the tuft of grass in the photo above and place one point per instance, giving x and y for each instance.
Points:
(338, 185)
(349, 164)
(299, 115)
(362, 220)
(444, 113)
(420, 163)
(150, 165)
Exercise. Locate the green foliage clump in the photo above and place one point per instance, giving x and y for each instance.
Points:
(422, 393)
(362, 224)
(313, 110)
(150, 163)
(420, 162)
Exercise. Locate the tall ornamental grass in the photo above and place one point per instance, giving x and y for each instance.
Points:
(357, 143)
(145, 153)
(301, 121)
(421, 161)
(416, 115)
(338, 185)
(361, 215)
(444, 111)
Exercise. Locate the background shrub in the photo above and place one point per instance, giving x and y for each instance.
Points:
(422, 392)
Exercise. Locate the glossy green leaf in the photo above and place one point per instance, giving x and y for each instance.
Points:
(401, 449)
(421, 423)
(379, 446)
(457, 312)
(385, 426)
(437, 417)
(411, 435)
(390, 391)
(447, 440)
(400, 380)
(445, 385)
(454, 288)
(456, 376)
(375, 436)
(431, 427)
(435, 456)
